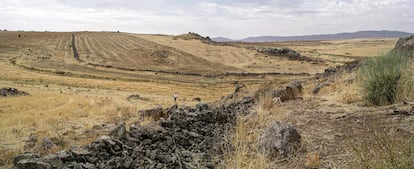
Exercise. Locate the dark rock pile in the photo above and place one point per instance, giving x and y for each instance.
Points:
(340, 69)
(188, 138)
(10, 92)
(285, 52)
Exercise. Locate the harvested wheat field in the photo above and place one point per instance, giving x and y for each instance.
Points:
(105, 100)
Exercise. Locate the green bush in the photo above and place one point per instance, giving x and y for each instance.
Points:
(387, 79)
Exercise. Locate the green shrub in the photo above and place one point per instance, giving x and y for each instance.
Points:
(387, 79)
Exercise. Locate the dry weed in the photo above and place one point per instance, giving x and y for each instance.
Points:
(312, 160)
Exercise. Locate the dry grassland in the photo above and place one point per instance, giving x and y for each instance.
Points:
(69, 97)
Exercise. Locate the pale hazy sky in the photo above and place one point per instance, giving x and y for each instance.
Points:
(232, 18)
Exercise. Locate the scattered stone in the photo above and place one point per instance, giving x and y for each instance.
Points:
(279, 141)
(134, 97)
(10, 92)
(339, 70)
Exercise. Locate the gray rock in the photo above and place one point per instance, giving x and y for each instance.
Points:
(119, 131)
(47, 144)
(53, 160)
(279, 141)
(80, 154)
(33, 163)
(405, 45)
(64, 155)
(24, 156)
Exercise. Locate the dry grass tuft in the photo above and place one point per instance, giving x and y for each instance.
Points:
(384, 150)
(6, 157)
(266, 101)
(312, 160)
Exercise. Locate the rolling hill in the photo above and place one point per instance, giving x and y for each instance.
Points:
(338, 36)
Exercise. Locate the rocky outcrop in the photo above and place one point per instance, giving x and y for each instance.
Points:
(286, 52)
(279, 141)
(405, 45)
(188, 138)
(10, 92)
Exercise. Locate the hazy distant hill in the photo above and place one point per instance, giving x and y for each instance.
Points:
(222, 39)
(354, 35)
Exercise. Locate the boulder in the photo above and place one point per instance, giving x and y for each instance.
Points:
(279, 141)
